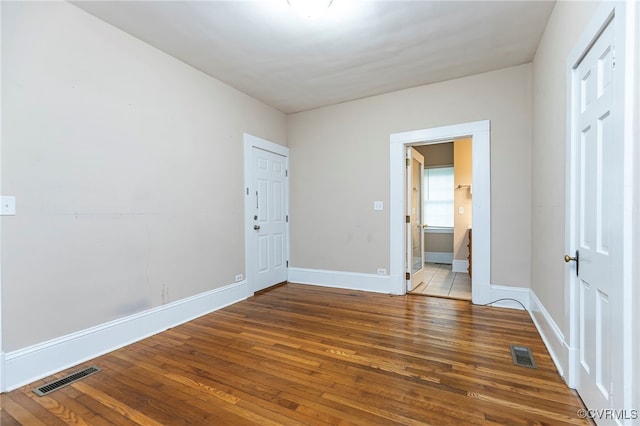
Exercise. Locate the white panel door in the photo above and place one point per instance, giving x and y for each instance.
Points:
(414, 219)
(598, 218)
(270, 218)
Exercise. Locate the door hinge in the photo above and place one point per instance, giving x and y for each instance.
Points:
(408, 219)
(286, 173)
(247, 191)
(286, 218)
(407, 276)
(408, 162)
(287, 263)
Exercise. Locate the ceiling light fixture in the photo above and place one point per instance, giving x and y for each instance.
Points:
(310, 9)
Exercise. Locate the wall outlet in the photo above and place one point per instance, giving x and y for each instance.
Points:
(382, 271)
(238, 278)
(378, 205)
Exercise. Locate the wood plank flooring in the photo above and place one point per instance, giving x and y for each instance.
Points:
(311, 355)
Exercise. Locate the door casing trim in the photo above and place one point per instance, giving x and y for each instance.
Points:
(480, 132)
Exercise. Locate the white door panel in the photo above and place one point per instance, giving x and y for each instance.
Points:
(598, 183)
(269, 224)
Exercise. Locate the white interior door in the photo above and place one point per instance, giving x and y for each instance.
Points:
(598, 173)
(414, 219)
(268, 196)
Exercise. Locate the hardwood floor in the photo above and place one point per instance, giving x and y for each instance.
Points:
(312, 355)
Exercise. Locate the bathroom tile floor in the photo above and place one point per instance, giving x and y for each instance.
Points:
(440, 281)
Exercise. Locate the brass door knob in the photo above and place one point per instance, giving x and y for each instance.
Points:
(576, 259)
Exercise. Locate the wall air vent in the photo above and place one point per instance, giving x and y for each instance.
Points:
(522, 356)
(67, 380)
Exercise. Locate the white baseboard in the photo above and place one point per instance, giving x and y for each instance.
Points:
(29, 364)
(2, 372)
(438, 257)
(551, 334)
(339, 279)
(460, 266)
(506, 292)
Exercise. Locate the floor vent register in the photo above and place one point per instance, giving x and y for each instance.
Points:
(47, 388)
(522, 356)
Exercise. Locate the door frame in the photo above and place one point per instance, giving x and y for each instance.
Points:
(2, 386)
(626, 102)
(251, 142)
(480, 133)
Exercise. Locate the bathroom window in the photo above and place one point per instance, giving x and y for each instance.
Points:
(438, 197)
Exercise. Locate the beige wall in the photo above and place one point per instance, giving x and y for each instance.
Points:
(565, 25)
(462, 197)
(340, 165)
(438, 243)
(127, 169)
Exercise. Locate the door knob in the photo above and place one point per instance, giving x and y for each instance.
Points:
(256, 227)
(576, 259)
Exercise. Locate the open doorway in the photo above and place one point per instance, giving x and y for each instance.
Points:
(446, 199)
(479, 132)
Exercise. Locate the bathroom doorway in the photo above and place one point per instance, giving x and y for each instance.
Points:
(447, 202)
(480, 132)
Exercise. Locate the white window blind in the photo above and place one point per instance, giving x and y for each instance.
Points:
(438, 196)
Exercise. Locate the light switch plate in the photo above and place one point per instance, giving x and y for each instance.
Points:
(378, 205)
(7, 205)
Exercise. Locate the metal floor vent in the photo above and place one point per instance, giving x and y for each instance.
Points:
(522, 356)
(67, 380)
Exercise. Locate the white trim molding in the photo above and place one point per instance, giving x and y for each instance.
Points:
(1, 339)
(507, 292)
(550, 333)
(2, 358)
(460, 266)
(438, 230)
(338, 279)
(438, 257)
(29, 364)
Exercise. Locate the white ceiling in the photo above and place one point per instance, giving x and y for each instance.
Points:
(359, 48)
